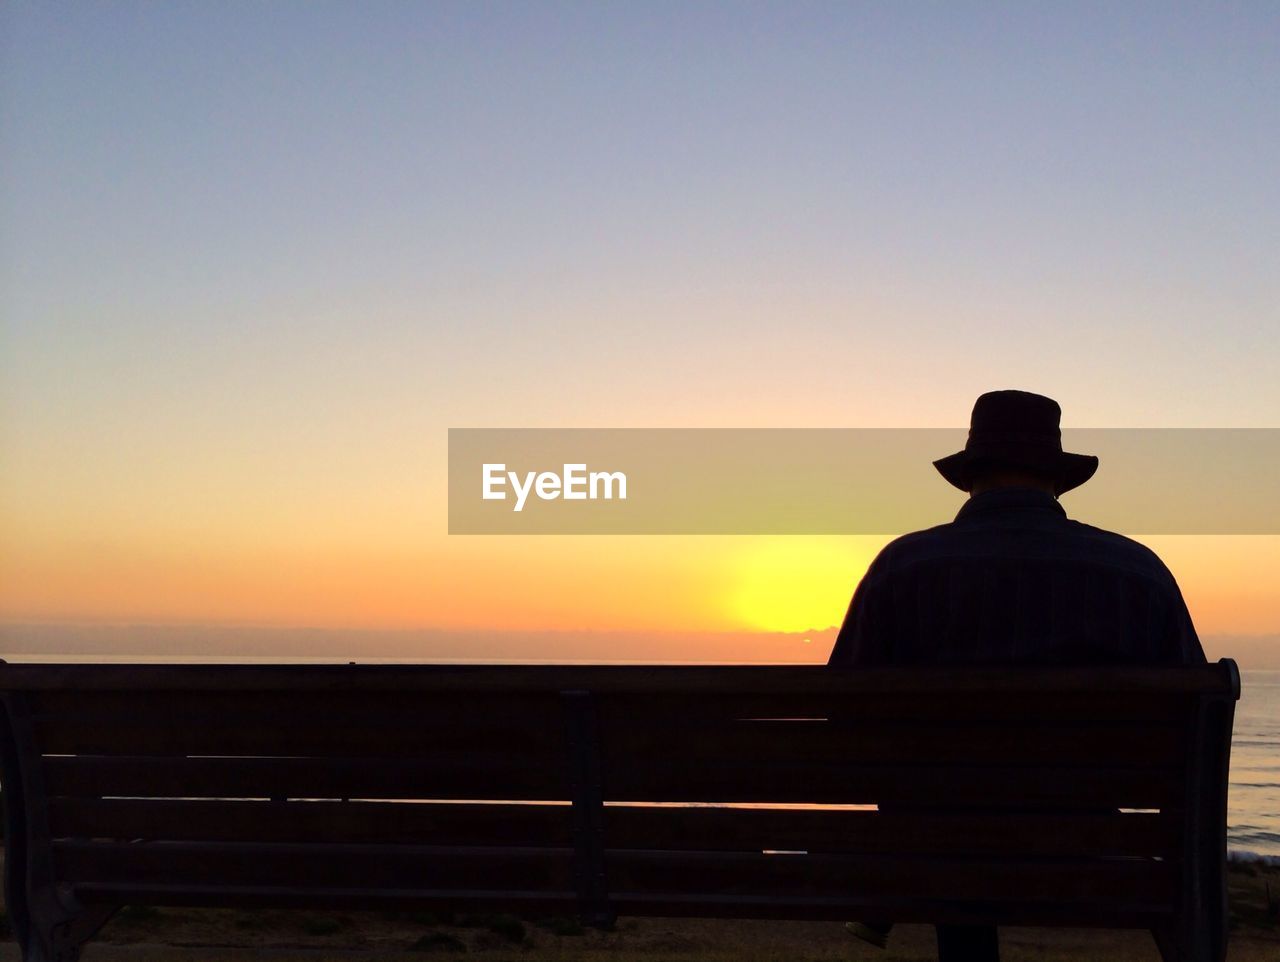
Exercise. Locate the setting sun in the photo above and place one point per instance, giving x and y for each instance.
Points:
(796, 584)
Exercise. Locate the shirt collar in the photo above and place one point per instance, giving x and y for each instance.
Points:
(1002, 500)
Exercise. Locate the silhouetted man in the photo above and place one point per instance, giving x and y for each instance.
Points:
(1013, 581)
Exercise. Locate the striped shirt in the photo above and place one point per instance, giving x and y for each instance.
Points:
(1013, 581)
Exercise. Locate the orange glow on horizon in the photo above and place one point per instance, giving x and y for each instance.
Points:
(531, 584)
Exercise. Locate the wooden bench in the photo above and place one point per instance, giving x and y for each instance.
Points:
(528, 789)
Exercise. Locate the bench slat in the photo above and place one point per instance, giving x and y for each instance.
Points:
(645, 741)
(892, 876)
(967, 911)
(758, 829)
(1014, 708)
(321, 822)
(370, 737)
(770, 780)
(497, 777)
(1154, 746)
(327, 709)
(645, 680)
(336, 865)
(669, 905)
(527, 903)
(658, 827)
(500, 777)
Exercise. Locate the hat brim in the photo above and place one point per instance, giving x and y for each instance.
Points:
(1066, 470)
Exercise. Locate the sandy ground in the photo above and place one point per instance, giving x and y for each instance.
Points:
(212, 935)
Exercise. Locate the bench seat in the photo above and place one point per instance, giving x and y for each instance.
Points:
(1030, 796)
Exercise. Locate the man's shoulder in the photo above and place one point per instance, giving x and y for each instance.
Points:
(915, 545)
(1069, 541)
(1122, 551)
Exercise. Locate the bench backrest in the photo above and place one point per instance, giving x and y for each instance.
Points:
(628, 790)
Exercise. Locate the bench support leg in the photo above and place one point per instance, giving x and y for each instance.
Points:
(1166, 944)
(58, 927)
(968, 943)
(588, 809)
(1181, 942)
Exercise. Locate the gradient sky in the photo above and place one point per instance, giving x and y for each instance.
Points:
(255, 259)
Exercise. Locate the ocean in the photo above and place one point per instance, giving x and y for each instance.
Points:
(1253, 815)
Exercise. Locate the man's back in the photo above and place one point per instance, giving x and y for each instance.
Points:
(1013, 581)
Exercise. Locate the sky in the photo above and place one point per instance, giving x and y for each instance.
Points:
(256, 259)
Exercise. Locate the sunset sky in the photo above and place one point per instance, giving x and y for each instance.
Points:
(256, 259)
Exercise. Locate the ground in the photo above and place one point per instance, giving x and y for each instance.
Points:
(210, 935)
